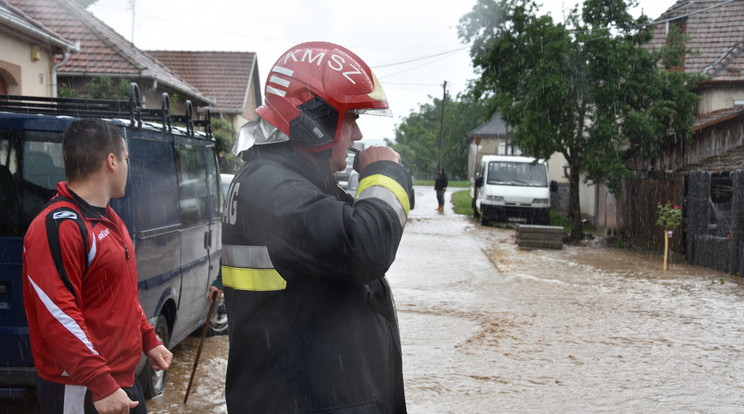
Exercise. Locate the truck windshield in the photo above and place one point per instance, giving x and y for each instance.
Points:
(517, 174)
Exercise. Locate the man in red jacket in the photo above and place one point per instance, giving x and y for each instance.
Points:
(86, 326)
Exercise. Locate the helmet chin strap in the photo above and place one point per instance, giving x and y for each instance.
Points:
(316, 124)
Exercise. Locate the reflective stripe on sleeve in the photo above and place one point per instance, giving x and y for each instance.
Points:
(250, 268)
(259, 280)
(388, 190)
(256, 257)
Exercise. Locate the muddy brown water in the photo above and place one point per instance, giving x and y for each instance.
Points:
(487, 327)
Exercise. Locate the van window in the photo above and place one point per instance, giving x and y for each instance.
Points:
(152, 175)
(30, 167)
(192, 187)
(213, 181)
(517, 173)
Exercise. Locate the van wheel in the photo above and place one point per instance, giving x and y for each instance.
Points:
(153, 380)
(217, 324)
(483, 220)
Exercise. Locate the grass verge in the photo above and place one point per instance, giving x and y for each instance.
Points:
(462, 202)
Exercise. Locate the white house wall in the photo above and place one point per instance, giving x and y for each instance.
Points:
(24, 77)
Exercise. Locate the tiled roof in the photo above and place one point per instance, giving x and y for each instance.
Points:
(716, 117)
(13, 18)
(102, 50)
(495, 127)
(225, 77)
(723, 162)
(715, 31)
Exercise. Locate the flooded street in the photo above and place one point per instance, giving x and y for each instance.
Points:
(487, 328)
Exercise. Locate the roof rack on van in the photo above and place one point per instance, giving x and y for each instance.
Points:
(108, 108)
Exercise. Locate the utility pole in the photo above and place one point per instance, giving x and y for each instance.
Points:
(441, 123)
(133, 7)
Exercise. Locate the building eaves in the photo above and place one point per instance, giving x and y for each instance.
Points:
(716, 117)
(13, 18)
(102, 50)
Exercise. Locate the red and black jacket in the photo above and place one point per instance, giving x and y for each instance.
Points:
(86, 325)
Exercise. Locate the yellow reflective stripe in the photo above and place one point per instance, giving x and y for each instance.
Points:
(384, 181)
(260, 280)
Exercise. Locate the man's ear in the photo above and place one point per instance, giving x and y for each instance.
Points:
(111, 161)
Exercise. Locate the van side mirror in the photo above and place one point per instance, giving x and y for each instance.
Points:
(479, 182)
(553, 186)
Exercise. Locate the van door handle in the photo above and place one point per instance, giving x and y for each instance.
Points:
(206, 240)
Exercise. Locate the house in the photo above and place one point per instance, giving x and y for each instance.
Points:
(102, 51)
(230, 79)
(703, 176)
(27, 61)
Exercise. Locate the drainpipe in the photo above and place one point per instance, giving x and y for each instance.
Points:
(56, 66)
(65, 59)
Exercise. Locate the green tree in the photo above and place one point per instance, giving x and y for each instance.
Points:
(417, 136)
(587, 88)
(85, 3)
(224, 136)
(104, 87)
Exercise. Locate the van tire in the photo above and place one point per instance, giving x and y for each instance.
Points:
(475, 210)
(153, 381)
(217, 324)
(483, 220)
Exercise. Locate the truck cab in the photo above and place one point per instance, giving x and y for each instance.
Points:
(512, 189)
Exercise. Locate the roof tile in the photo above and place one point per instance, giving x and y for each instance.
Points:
(223, 76)
(102, 50)
(715, 35)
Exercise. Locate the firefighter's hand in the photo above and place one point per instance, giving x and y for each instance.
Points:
(117, 402)
(160, 357)
(375, 153)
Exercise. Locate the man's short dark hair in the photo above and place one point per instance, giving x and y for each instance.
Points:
(86, 143)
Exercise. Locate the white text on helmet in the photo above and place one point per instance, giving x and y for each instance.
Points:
(336, 62)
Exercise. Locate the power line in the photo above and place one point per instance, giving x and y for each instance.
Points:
(403, 62)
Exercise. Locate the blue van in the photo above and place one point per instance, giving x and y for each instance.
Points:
(172, 208)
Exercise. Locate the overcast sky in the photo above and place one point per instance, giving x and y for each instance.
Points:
(411, 45)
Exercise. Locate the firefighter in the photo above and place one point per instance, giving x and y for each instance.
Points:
(313, 326)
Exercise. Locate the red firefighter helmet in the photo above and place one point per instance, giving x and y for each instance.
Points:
(312, 85)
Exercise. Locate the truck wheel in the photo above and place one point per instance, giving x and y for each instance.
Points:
(483, 220)
(153, 380)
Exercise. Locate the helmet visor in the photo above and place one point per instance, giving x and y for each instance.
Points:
(386, 112)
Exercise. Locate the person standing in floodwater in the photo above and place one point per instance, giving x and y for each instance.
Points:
(440, 186)
(313, 326)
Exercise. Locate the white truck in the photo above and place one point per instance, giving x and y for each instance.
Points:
(512, 189)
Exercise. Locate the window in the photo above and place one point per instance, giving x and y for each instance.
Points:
(30, 167)
(517, 173)
(192, 187)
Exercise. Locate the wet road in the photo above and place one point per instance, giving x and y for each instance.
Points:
(487, 327)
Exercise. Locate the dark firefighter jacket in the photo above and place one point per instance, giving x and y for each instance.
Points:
(312, 320)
